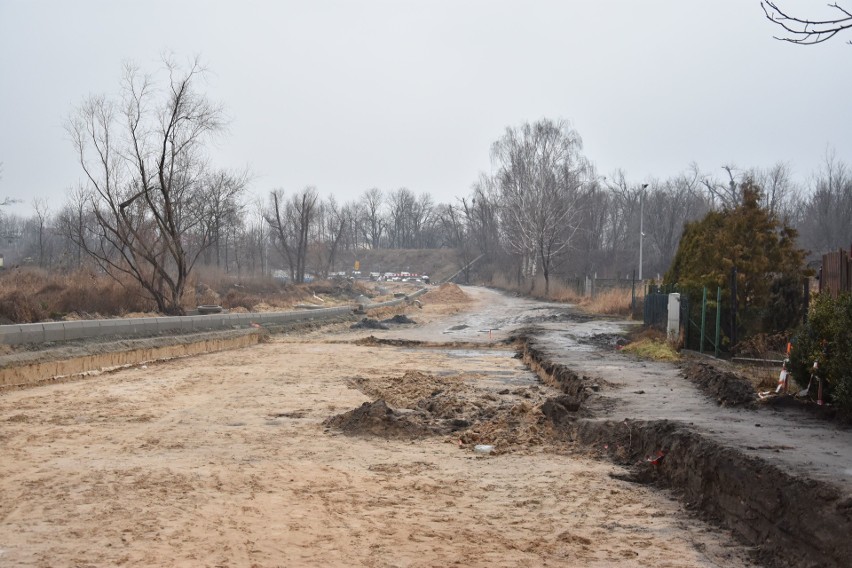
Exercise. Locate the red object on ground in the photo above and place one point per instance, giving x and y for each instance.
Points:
(659, 459)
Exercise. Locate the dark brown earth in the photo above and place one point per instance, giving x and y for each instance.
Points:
(725, 387)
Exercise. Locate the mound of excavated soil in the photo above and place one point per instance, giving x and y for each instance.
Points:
(368, 323)
(373, 341)
(447, 293)
(521, 427)
(443, 397)
(378, 419)
(444, 405)
(399, 318)
(728, 388)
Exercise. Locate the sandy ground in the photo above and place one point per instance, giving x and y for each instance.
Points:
(223, 460)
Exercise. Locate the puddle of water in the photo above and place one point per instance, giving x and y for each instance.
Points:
(518, 376)
(470, 353)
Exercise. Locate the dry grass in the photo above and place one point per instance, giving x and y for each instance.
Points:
(30, 295)
(654, 349)
(650, 343)
(609, 302)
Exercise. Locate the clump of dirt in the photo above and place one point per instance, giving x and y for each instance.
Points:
(561, 409)
(443, 397)
(400, 319)
(572, 317)
(378, 419)
(368, 323)
(521, 427)
(429, 405)
(605, 340)
(728, 388)
(447, 293)
(373, 341)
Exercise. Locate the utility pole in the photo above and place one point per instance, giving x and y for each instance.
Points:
(641, 225)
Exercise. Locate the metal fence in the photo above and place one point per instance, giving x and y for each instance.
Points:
(836, 273)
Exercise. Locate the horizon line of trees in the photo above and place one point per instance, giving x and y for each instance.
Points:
(245, 235)
(152, 207)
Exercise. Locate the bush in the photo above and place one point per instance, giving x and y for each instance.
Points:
(827, 338)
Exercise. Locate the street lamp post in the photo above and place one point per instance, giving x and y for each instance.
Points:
(641, 226)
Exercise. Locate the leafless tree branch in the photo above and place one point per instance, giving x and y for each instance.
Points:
(805, 31)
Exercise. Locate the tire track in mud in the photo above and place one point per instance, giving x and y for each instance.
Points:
(790, 520)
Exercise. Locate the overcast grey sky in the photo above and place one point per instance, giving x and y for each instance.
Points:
(351, 95)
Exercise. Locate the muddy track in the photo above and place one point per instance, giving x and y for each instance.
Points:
(791, 521)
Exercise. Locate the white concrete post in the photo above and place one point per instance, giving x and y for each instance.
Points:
(673, 324)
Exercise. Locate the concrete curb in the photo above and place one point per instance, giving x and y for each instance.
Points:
(18, 334)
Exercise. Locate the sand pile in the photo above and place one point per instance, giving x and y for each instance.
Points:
(522, 427)
(378, 419)
(414, 389)
(428, 405)
(447, 293)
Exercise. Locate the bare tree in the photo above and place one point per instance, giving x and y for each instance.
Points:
(372, 221)
(671, 204)
(223, 209)
(332, 222)
(827, 211)
(256, 238)
(807, 31)
(622, 223)
(482, 213)
(600, 223)
(402, 211)
(779, 193)
(74, 223)
(723, 193)
(291, 222)
(42, 212)
(541, 172)
(144, 161)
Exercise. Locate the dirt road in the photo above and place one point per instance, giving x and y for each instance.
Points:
(637, 389)
(224, 460)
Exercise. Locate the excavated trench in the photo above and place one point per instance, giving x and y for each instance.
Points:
(791, 521)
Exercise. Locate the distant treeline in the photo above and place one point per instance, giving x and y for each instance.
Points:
(545, 211)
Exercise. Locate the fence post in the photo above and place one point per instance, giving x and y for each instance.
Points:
(673, 317)
(733, 306)
(703, 318)
(633, 294)
(718, 318)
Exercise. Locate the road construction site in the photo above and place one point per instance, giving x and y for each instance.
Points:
(493, 431)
